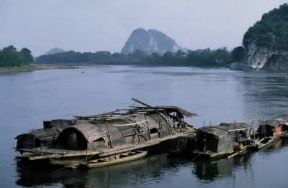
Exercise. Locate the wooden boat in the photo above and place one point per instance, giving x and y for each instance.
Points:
(265, 142)
(274, 127)
(110, 135)
(223, 140)
(270, 131)
(213, 142)
(242, 150)
(121, 158)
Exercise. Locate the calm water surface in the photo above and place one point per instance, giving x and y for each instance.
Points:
(217, 95)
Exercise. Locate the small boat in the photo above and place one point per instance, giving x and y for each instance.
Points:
(270, 131)
(265, 142)
(121, 158)
(241, 150)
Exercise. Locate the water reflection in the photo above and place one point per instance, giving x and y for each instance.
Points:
(224, 168)
(217, 95)
(139, 172)
(211, 170)
(129, 173)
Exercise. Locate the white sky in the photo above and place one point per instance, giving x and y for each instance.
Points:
(92, 25)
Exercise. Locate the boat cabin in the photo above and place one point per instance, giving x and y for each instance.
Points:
(239, 130)
(274, 127)
(221, 139)
(282, 122)
(119, 128)
(213, 140)
(43, 137)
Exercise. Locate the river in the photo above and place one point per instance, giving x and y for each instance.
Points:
(217, 95)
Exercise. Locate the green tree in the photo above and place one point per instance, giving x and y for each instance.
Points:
(271, 31)
(9, 57)
(26, 54)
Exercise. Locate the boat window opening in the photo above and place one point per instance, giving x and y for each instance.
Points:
(153, 130)
(73, 140)
(100, 141)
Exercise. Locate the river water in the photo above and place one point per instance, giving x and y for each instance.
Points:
(217, 95)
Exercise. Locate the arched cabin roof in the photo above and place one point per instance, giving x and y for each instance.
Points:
(232, 127)
(283, 118)
(42, 134)
(214, 130)
(90, 131)
(271, 123)
(276, 121)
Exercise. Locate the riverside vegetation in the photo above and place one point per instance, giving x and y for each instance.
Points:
(10, 57)
(200, 58)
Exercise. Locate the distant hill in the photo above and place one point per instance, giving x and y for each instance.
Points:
(150, 41)
(54, 51)
(266, 41)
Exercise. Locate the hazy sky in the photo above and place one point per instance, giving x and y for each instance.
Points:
(92, 25)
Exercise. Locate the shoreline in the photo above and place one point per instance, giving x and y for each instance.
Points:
(35, 67)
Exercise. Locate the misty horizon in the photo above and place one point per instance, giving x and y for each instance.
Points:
(105, 25)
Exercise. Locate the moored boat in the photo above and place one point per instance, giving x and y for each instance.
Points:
(265, 142)
(223, 140)
(110, 136)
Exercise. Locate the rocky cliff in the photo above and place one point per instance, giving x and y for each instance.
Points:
(267, 58)
(267, 41)
(149, 41)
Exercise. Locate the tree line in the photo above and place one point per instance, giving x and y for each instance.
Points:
(201, 58)
(10, 57)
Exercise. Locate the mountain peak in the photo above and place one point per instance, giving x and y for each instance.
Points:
(149, 41)
(54, 51)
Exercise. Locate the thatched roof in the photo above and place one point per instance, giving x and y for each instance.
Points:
(231, 127)
(176, 108)
(282, 118)
(43, 134)
(168, 109)
(135, 111)
(90, 131)
(214, 130)
(276, 121)
(224, 128)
